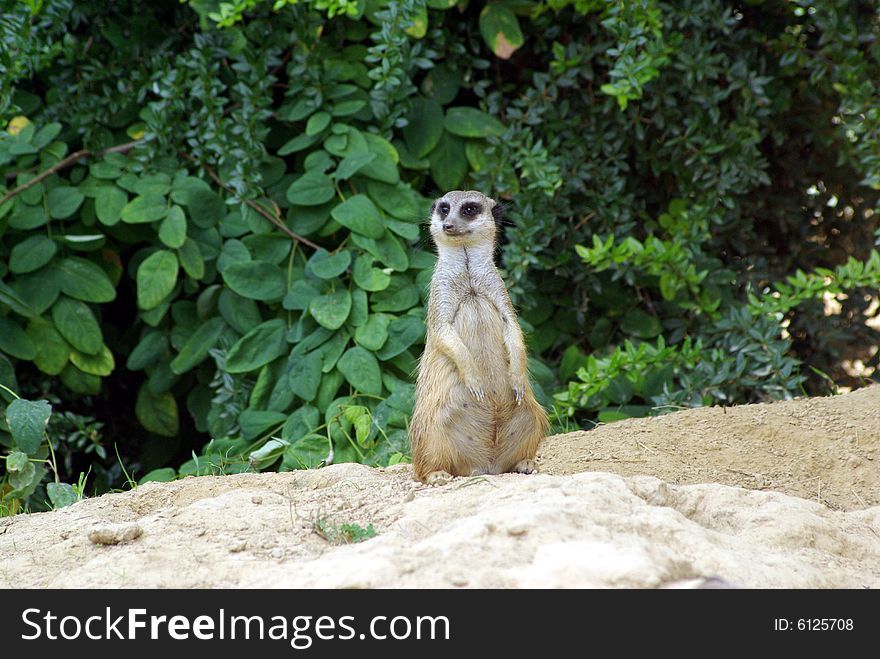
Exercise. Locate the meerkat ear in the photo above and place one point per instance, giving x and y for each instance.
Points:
(497, 213)
(433, 206)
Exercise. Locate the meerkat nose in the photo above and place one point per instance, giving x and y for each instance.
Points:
(448, 227)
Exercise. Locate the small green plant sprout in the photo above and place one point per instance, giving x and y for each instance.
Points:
(342, 534)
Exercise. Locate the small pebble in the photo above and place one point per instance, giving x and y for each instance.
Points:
(257, 499)
(517, 529)
(237, 546)
(115, 534)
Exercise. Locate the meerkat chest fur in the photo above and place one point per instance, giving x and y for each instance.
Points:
(466, 280)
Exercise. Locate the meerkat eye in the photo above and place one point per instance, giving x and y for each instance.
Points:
(443, 208)
(470, 210)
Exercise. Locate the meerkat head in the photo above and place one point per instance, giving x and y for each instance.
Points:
(464, 217)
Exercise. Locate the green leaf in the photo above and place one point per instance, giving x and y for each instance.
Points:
(388, 250)
(63, 201)
(258, 347)
(61, 494)
(196, 348)
(449, 163)
(206, 208)
(348, 108)
(361, 370)
(360, 214)
(299, 424)
(350, 165)
(14, 340)
(161, 475)
(317, 123)
(304, 375)
(384, 166)
(20, 469)
(359, 307)
(311, 189)
(13, 300)
(640, 324)
(105, 170)
(32, 254)
(254, 423)
(402, 333)
(83, 280)
(471, 122)
(308, 452)
(109, 203)
(399, 201)
(332, 350)
(151, 348)
(257, 280)
(144, 208)
(7, 379)
(331, 310)
(346, 141)
(46, 134)
(27, 420)
(156, 277)
(500, 29)
(101, 364)
(76, 323)
(373, 334)
(298, 143)
(324, 265)
(157, 412)
(159, 183)
(399, 296)
(172, 230)
(300, 296)
(53, 351)
(367, 277)
(405, 230)
(79, 382)
(191, 260)
(239, 313)
(424, 128)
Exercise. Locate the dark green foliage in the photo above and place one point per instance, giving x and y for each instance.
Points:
(231, 274)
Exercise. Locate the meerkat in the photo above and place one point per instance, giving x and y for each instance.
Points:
(475, 412)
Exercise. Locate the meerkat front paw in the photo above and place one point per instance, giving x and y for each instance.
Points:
(475, 387)
(525, 467)
(518, 384)
(436, 478)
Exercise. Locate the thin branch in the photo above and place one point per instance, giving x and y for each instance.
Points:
(67, 162)
(274, 219)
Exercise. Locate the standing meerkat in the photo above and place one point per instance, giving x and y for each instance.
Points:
(475, 412)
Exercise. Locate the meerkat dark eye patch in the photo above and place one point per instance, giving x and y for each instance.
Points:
(471, 210)
(443, 207)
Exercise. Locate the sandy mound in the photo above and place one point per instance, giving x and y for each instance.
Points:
(553, 529)
(824, 449)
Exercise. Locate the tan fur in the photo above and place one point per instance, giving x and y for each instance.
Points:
(475, 412)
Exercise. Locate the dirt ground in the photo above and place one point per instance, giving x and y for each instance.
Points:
(824, 449)
(640, 503)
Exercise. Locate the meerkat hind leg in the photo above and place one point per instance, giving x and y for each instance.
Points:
(527, 466)
(519, 436)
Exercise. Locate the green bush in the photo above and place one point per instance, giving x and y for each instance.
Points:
(210, 226)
